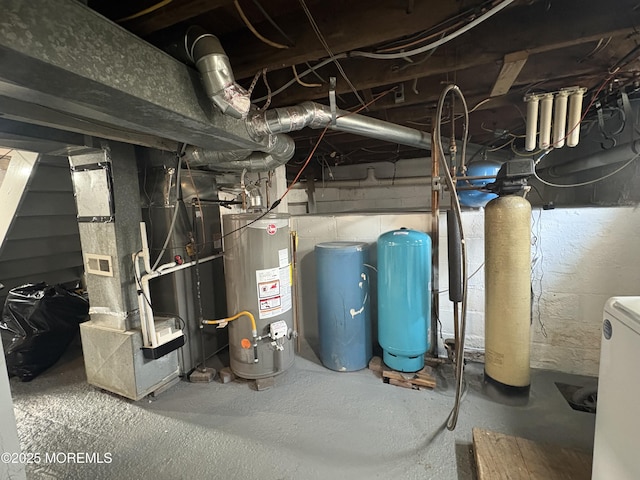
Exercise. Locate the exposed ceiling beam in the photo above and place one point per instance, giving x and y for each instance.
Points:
(175, 12)
(511, 67)
(375, 21)
(485, 45)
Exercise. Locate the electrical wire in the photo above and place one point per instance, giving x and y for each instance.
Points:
(146, 11)
(453, 416)
(495, 149)
(309, 157)
(427, 56)
(438, 29)
(257, 34)
(277, 202)
(528, 154)
(590, 182)
(273, 23)
(537, 260)
(476, 271)
(306, 72)
(437, 43)
(300, 82)
(324, 43)
(197, 195)
(421, 40)
(176, 208)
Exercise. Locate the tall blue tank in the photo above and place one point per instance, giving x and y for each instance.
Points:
(344, 322)
(404, 298)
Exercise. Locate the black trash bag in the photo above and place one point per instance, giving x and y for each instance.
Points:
(38, 324)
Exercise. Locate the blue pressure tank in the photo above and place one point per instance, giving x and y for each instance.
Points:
(476, 198)
(404, 298)
(344, 322)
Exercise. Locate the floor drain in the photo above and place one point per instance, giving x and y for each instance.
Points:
(583, 398)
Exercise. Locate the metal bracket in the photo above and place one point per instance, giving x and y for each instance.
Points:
(436, 186)
(332, 99)
(398, 96)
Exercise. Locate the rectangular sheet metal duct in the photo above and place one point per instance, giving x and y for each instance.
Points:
(63, 56)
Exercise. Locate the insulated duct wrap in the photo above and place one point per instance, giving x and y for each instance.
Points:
(278, 151)
(508, 292)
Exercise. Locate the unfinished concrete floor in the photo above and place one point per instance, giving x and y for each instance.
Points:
(314, 424)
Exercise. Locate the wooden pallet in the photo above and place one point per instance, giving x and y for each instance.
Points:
(416, 381)
(503, 457)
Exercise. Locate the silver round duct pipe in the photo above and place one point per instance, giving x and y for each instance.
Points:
(206, 52)
(315, 115)
(278, 151)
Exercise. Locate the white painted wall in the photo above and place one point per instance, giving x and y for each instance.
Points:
(582, 257)
(8, 433)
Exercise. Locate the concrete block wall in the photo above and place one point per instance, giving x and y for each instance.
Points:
(409, 197)
(581, 257)
(585, 256)
(314, 229)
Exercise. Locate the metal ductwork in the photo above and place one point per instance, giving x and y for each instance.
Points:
(206, 52)
(278, 151)
(163, 108)
(315, 115)
(280, 148)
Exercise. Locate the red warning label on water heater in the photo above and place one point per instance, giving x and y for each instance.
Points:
(272, 229)
(269, 289)
(269, 304)
(274, 291)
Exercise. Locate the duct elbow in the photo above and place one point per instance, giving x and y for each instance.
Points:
(278, 150)
(288, 119)
(206, 52)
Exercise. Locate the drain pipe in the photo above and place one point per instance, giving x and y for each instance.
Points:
(614, 155)
(315, 115)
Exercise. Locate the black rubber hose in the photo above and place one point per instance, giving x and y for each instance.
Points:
(455, 258)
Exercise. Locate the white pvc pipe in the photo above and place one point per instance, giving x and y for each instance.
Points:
(532, 123)
(147, 322)
(145, 247)
(560, 119)
(575, 112)
(546, 107)
(148, 313)
(141, 300)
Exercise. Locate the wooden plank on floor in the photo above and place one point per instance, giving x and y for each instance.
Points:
(424, 378)
(504, 457)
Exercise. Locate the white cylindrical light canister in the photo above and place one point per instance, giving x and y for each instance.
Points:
(532, 123)
(546, 109)
(560, 119)
(575, 112)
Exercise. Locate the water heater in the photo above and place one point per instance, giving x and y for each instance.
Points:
(257, 264)
(404, 298)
